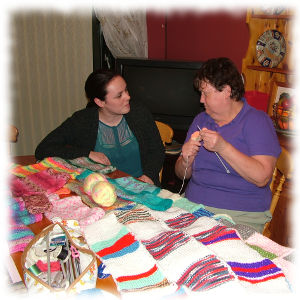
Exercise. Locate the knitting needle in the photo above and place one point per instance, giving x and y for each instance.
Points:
(226, 169)
(62, 264)
(69, 263)
(48, 260)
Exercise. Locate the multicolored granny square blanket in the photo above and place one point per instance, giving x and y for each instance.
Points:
(156, 243)
(150, 251)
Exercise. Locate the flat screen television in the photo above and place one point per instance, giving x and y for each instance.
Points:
(165, 87)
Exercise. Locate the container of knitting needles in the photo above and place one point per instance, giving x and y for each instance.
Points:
(53, 263)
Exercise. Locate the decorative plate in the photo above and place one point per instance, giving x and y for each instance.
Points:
(273, 11)
(270, 48)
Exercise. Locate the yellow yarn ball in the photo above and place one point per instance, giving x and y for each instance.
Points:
(91, 180)
(104, 193)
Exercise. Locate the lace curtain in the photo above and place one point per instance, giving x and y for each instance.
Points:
(125, 33)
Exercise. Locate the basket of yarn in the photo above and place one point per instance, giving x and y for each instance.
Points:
(101, 191)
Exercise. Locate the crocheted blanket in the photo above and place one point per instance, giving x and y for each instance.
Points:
(152, 248)
(159, 252)
(73, 167)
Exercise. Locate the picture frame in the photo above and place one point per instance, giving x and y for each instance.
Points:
(278, 88)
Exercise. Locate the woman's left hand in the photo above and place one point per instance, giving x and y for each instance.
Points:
(212, 140)
(146, 179)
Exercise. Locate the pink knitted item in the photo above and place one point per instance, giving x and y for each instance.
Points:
(21, 203)
(19, 245)
(19, 215)
(265, 243)
(37, 203)
(46, 181)
(19, 237)
(73, 208)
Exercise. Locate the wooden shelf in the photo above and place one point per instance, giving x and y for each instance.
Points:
(274, 70)
(257, 77)
(262, 16)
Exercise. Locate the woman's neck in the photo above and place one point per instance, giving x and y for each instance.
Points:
(235, 108)
(109, 119)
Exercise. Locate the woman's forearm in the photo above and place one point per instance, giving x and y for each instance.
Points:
(183, 168)
(255, 169)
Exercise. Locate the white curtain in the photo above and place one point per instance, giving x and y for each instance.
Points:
(125, 33)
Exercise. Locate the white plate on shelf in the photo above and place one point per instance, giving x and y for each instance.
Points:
(270, 48)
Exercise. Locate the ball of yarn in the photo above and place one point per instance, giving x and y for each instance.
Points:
(104, 193)
(195, 136)
(91, 180)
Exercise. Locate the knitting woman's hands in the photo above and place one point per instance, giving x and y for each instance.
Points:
(99, 157)
(190, 148)
(212, 140)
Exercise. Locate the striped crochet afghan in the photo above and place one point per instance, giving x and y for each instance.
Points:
(19, 237)
(43, 182)
(73, 167)
(197, 253)
(19, 215)
(254, 272)
(121, 251)
(51, 162)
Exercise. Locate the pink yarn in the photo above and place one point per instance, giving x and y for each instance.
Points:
(37, 203)
(73, 208)
(47, 181)
(19, 245)
(54, 266)
(20, 202)
(18, 248)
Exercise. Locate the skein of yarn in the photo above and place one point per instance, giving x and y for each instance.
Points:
(91, 180)
(104, 194)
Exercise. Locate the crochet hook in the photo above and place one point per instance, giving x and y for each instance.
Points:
(218, 156)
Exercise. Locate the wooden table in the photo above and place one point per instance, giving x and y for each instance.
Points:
(106, 284)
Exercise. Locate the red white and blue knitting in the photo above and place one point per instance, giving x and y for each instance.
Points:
(144, 249)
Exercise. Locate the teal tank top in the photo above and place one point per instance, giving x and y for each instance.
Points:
(120, 145)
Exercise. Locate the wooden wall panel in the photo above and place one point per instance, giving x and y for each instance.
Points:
(260, 78)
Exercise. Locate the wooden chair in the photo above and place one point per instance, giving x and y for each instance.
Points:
(13, 134)
(282, 172)
(166, 133)
(24, 160)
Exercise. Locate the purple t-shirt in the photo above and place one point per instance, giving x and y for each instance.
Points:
(251, 132)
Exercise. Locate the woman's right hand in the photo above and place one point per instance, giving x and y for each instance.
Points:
(99, 157)
(190, 148)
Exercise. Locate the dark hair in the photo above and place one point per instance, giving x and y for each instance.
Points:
(220, 72)
(96, 84)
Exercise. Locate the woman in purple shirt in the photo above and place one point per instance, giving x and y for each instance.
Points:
(230, 150)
